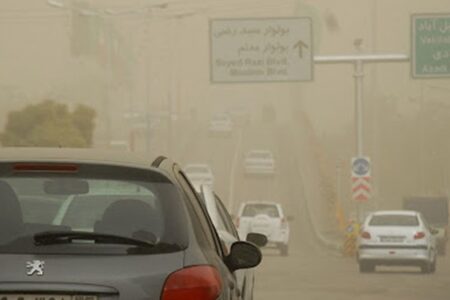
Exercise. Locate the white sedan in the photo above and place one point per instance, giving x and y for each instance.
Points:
(259, 162)
(199, 174)
(397, 238)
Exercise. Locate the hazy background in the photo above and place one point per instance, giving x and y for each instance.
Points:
(141, 57)
(144, 67)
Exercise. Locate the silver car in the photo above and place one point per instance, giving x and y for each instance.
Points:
(397, 238)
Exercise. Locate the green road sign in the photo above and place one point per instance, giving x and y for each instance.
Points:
(430, 55)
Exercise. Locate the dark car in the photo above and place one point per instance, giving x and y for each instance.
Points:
(123, 229)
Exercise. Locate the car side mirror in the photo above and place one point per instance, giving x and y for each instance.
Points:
(243, 255)
(258, 239)
(434, 231)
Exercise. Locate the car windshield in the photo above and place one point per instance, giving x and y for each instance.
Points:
(95, 202)
(394, 220)
(338, 110)
(252, 210)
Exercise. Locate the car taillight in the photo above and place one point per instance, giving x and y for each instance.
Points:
(419, 235)
(42, 167)
(237, 222)
(193, 283)
(366, 235)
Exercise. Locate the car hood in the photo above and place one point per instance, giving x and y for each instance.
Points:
(132, 276)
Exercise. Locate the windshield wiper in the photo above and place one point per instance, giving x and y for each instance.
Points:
(66, 237)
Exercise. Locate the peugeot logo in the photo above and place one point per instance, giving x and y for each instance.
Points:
(35, 267)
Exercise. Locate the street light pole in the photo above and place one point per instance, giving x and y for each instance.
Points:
(358, 61)
(359, 109)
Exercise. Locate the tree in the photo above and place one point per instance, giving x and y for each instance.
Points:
(49, 124)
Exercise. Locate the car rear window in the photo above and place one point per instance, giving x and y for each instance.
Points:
(123, 201)
(394, 220)
(261, 209)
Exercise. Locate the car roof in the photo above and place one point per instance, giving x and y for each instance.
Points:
(75, 155)
(395, 212)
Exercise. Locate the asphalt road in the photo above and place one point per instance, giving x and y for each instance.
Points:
(311, 271)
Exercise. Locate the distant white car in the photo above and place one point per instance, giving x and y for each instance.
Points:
(259, 162)
(397, 238)
(266, 218)
(228, 234)
(221, 124)
(199, 174)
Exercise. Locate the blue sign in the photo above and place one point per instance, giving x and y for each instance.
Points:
(361, 167)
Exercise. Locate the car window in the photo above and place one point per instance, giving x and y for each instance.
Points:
(39, 209)
(394, 220)
(251, 210)
(85, 210)
(112, 202)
